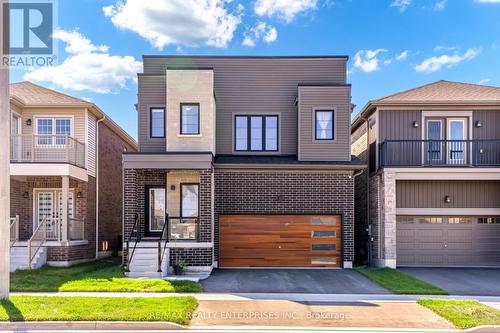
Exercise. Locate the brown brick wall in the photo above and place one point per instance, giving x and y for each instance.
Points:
(287, 192)
(111, 148)
(84, 207)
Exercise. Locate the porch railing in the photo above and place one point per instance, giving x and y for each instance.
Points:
(37, 240)
(182, 229)
(436, 153)
(76, 229)
(41, 148)
(14, 230)
(53, 228)
(134, 237)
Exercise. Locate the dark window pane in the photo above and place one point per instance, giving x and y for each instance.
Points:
(157, 123)
(255, 133)
(271, 133)
(190, 118)
(324, 220)
(324, 125)
(241, 133)
(323, 247)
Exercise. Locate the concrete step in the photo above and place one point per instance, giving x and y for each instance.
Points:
(137, 275)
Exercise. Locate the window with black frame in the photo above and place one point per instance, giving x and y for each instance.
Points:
(256, 133)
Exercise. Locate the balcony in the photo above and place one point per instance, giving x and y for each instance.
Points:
(440, 153)
(41, 148)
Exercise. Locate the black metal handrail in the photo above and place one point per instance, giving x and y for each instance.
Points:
(129, 239)
(161, 252)
(435, 153)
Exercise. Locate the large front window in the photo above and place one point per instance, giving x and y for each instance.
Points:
(190, 119)
(256, 133)
(186, 226)
(53, 130)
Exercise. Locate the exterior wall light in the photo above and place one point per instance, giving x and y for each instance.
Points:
(447, 199)
(479, 123)
(415, 124)
(172, 187)
(28, 122)
(79, 195)
(26, 195)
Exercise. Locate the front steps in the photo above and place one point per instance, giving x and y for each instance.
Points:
(19, 257)
(144, 262)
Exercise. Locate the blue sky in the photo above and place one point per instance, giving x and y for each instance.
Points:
(393, 44)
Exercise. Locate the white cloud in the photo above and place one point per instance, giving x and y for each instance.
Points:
(403, 55)
(367, 61)
(484, 81)
(445, 48)
(88, 67)
(402, 5)
(487, 1)
(436, 63)
(286, 10)
(181, 22)
(440, 5)
(388, 62)
(262, 31)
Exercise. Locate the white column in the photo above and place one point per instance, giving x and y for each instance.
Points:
(64, 211)
(4, 175)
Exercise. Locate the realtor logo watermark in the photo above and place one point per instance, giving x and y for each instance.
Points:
(27, 28)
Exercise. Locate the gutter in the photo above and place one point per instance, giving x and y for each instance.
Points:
(97, 189)
(369, 229)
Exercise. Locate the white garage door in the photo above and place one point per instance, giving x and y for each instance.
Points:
(448, 241)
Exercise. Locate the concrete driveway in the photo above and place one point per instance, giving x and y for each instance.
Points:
(461, 281)
(310, 281)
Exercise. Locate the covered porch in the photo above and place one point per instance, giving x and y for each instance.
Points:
(167, 212)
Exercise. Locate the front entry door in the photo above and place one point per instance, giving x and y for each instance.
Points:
(49, 205)
(155, 211)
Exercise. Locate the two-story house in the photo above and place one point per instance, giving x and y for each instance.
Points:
(66, 184)
(242, 162)
(432, 195)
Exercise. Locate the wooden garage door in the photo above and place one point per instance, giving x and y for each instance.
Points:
(279, 240)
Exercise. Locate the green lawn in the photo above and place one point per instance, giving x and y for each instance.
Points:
(400, 283)
(463, 314)
(59, 308)
(104, 275)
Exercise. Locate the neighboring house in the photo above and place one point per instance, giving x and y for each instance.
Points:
(65, 161)
(434, 176)
(242, 162)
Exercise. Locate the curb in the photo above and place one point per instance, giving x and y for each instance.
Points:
(88, 325)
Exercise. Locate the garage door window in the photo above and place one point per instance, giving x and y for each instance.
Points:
(460, 220)
(323, 234)
(323, 260)
(489, 220)
(324, 220)
(431, 219)
(323, 247)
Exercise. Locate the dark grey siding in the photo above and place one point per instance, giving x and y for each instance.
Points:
(253, 86)
(463, 194)
(152, 92)
(338, 98)
(490, 121)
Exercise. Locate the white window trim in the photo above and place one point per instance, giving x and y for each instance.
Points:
(54, 118)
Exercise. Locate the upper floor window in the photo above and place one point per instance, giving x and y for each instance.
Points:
(190, 118)
(157, 122)
(256, 133)
(53, 130)
(323, 120)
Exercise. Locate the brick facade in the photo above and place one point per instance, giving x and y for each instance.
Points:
(111, 148)
(84, 208)
(136, 182)
(288, 192)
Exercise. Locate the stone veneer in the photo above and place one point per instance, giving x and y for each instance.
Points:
(383, 218)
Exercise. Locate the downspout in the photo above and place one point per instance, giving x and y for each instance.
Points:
(97, 189)
(369, 229)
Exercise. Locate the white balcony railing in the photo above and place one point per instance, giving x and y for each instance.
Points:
(40, 148)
